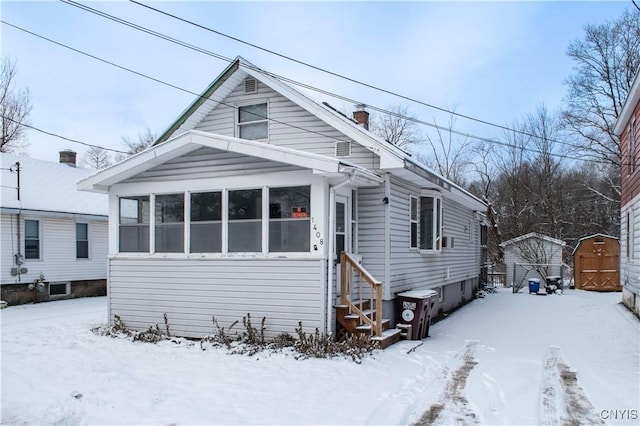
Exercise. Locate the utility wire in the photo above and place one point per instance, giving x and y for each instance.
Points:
(335, 74)
(468, 135)
(294, 82)
(60, 136)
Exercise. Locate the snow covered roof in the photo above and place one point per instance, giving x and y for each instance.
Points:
(581, 240)
(47, 186)
(533, 235)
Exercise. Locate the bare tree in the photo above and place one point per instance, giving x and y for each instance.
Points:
(15, 107)
(606, 60)
(96, 158)
(538, 255)
(144, 141)
(448, 153)
(397, 127)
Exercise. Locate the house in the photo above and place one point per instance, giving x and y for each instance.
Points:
(54, 237)
(628, 129)
(532, 255)
(246, 202)
(596, 263)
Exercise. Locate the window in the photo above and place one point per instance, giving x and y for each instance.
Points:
(245, 220)
(82, 241)
(252, 122)
(134, 224)
(413, 221)
(354, 221)
(289, 219)
(58, 289)
(440, 294)
(31, 239)
(206, 222)
(340, 231)
(632, 145)
(169, 212)
(430, 223)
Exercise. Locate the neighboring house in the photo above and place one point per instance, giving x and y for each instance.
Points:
(628, 128)
(244, 203)
(54, 237)
(596, 263)
(532, 255)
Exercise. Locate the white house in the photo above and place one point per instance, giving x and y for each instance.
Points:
(532, 255)
(244, 203)
(54, 237)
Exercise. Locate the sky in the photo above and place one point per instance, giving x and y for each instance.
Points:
(487, 363)
(494, 61)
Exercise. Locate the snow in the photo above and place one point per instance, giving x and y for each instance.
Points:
(498, 360)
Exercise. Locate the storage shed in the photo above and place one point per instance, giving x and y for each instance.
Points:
(596, 262)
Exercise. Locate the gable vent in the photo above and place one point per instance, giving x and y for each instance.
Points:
(343, 149)
(250, 85)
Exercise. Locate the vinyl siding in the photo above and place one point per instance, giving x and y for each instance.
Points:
(371, 232)
(411, 269)
(190, 292)
(290, 126)
(630, 268)
(58, 250)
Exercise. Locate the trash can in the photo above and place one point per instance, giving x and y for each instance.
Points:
(554, 284)
(415, 310)
(534, 285)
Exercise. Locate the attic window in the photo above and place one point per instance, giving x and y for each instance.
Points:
(250, 85)
(343, 149)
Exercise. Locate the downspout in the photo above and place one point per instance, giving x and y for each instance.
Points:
(332, 246)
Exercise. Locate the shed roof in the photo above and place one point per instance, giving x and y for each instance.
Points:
(47, 186)
(581, 240)
(533, 235)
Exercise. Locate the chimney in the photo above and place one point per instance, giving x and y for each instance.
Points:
(68, 157)
(361, 116)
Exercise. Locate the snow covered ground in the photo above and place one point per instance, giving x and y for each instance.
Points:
(507, 359)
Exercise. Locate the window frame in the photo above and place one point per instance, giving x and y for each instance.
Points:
(86, 224)
(67, 289)
(271, 220)
(191, 222)
(413, 221)
(437, 222)
(160, 225)
(239, 123)
(39, 239)
(139, 225)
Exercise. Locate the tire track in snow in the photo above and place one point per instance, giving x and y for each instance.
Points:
(563, 401)
(454, 405)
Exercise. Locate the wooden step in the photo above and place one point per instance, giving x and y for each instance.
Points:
(367, 327)
(388, 338)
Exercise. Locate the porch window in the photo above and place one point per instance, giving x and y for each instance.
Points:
(413, 221)
(82, 241)
(253, 122)
(134, 224)
(245, 220)
(430, 223)
(32, 239)
(354, 221)
(289, 219)
(206, 222)
(169, 215)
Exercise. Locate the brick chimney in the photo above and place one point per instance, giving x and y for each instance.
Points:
(361, 116)
(68, 157)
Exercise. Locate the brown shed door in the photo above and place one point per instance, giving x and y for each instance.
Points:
(599, 272)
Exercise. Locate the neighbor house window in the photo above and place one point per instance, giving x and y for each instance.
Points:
(82, 241)
(252, 122)
(245, 220)
(134, 224)
(32, 239)
(430, 223)
(289, 219)
(169, 213)
(206, 222)
(413, 221)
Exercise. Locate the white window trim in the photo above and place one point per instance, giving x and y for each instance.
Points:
(237, 117)
(67, 290)
(84, 259)
(40, 240)
(437, 239)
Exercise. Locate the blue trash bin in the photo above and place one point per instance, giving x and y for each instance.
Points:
(534, 285)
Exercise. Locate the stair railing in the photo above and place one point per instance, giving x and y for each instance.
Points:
(348, 268)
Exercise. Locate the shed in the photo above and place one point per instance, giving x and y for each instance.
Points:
(596, 262)
(532, 255)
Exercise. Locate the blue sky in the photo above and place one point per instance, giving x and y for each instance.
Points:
(496, 61)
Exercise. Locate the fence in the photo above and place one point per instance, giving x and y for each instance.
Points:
(522, 272)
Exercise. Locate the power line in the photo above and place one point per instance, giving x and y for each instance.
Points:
(467, 135)
(300, 84)
(60, 136)
(335, 74)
